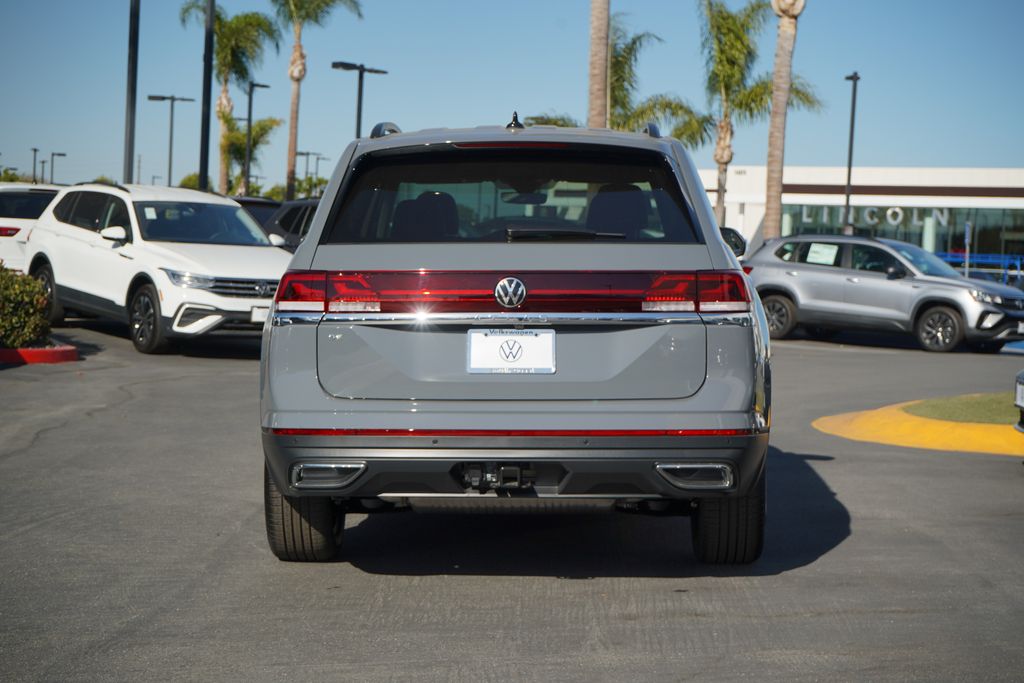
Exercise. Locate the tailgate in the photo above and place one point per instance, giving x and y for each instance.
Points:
(574, 332)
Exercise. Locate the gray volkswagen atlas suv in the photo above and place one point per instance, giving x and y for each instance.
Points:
(832, 282)
(508, 319)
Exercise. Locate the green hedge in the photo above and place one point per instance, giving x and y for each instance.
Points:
(22, 311)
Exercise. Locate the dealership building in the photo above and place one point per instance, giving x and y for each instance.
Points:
(945, 210)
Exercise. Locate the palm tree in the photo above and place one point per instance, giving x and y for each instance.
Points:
(730, 51)
(787, 11)
(597, 111)
(296, 14)
(232, 145)
(238, 48)
(689, 126)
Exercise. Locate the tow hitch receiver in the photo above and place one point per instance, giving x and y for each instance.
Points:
(486, 476)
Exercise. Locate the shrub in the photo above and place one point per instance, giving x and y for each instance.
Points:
(22, 311)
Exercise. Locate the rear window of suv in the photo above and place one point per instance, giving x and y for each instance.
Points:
(28, 204)
(512, 194)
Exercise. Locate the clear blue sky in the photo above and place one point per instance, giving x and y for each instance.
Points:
(942, 79)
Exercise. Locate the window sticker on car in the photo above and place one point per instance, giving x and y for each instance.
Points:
(150, 213)
(822, 254)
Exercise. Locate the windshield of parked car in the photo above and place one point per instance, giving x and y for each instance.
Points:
(198, 223)
(27, 204)
(499, 195)
(925, 261)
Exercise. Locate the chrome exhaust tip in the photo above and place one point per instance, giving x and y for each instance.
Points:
(697, 476)
(325, 475)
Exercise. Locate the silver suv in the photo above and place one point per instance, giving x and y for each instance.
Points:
(832, 282)
(508, 319)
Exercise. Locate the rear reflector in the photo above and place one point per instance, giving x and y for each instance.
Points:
(9, 232)
(512, 432)
(546, 292)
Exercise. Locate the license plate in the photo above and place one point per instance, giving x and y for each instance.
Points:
(259, 315)
(510, 352)
(1019, 400)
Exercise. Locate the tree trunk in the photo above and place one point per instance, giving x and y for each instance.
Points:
(788, 10)
(597, 113)
(720, 195)
(722, 157)
(296, 72)
(225, 108)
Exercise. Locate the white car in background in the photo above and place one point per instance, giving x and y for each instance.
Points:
(20, 206)
(170, 262)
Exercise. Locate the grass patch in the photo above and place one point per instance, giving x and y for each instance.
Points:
(984, 408)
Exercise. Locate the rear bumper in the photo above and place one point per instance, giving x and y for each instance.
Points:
(571, 467)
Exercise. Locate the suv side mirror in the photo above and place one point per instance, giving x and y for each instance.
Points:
(734, 240)
(895, 272)
(114, 233)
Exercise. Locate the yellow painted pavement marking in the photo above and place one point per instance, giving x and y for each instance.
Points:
(893, 426)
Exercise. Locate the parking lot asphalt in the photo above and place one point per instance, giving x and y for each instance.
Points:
(132, 546)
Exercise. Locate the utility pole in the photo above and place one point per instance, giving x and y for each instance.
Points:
(133, 75)
(139, 172)
(170, 135)
(35, 150)
(42, 176)
(248, 138)
(847, 225)
(204, 135)
(53, 155)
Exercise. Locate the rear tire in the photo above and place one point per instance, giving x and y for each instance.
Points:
(144, 321)
(301, 529)
(54, 310)
(939, 329)
(730, 530)
(781, 313)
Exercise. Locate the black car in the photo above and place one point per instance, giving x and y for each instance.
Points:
(291, 221)
(260, 208)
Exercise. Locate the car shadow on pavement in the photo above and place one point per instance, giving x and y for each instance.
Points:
(241, 345)
(805, 521)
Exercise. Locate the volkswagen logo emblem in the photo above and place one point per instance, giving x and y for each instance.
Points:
(510, 351)
(510, 292)
(263, 288)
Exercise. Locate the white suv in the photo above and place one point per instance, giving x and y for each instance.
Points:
(20, 206)
(170, 262)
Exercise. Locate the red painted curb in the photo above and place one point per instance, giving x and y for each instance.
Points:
(51, 354)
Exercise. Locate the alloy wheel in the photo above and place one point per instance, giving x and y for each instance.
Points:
(938, 330)
(778, 316)
(143, 319)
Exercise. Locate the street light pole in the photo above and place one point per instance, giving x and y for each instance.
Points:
(362, 69)
(847, 223)
(204, 131)
(52, 164)
(133, 77)
(170, 137)
(35, 150)
(42, 176)
(248, 139)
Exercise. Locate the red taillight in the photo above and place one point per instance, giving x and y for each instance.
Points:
(546, 292)
(9, 232)
(302, 291)
(747, 269)
(672, 292)
(721, 291)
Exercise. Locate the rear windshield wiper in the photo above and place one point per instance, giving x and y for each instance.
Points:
(558, 234)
